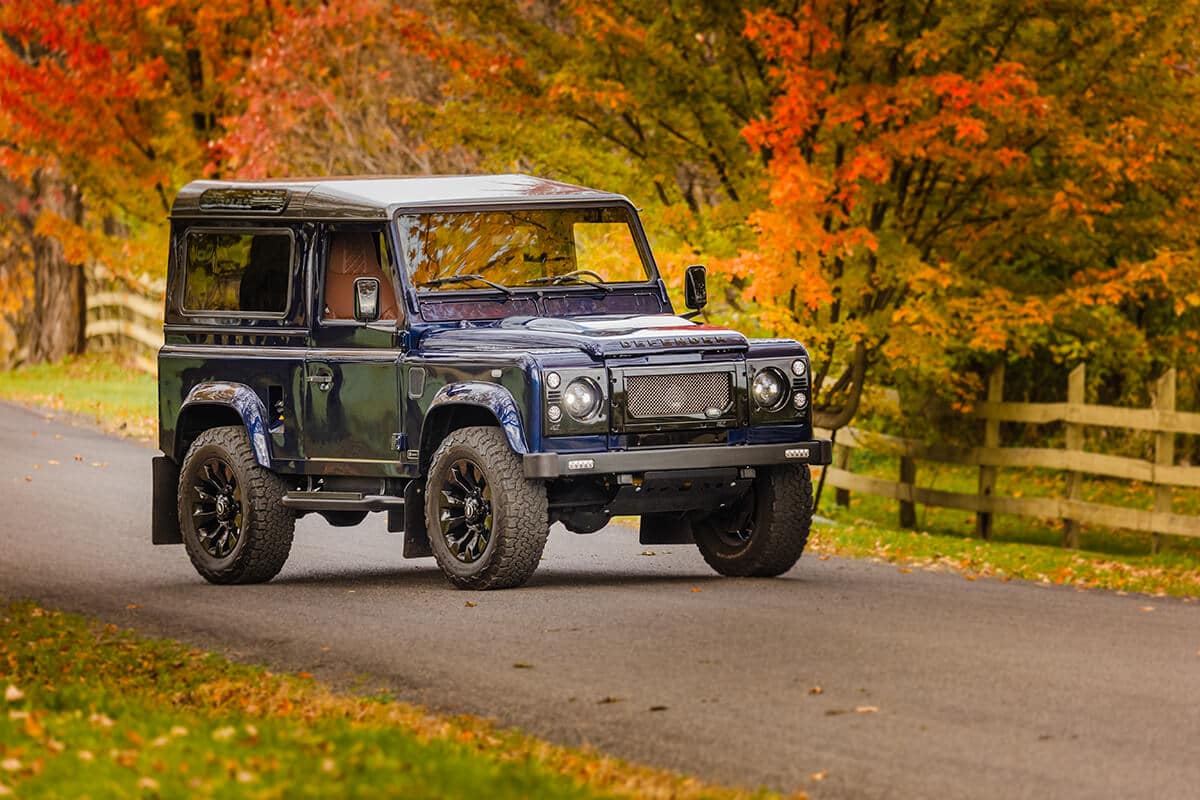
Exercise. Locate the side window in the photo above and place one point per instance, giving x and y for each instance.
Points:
(238, 271)
(358, 254)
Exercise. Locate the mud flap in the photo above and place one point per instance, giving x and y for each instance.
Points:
(665, 529)
(416, 538)
(164, 524)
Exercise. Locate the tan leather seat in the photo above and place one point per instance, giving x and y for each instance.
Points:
(353, 255)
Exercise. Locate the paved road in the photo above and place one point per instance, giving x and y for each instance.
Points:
(983, 689)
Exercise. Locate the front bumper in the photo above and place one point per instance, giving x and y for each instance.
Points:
(564, 465)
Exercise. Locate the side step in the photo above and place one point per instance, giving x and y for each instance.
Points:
(340, 501)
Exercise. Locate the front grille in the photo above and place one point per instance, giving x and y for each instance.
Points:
(658, 396)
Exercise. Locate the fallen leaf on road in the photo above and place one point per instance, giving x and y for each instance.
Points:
(658, 708)
(325, 649)
(866, 709)
(816, 690)
(79, 458)
(522, 665)
(818, 776)
(99, 463)
(608, 699)
(37, 466)
(696, 589)
(906, 570)
(970, 577)
(1145, 608)
(822, 558)
(132, 607)
(833, 712)
(649, 553)
(469, 604)
(58, 436)
(305, 675)
(52, 462)
(12, 694)
(29, 478)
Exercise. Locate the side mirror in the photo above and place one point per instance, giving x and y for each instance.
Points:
(695, 289)
(366, 299)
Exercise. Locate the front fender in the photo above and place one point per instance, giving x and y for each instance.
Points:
(242, 399)
(490, 396)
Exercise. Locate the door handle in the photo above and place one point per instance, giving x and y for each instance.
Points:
(323, 381)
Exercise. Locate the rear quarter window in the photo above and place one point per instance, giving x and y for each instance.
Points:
(242, 272)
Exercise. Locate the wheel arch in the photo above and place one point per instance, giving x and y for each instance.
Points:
(213, 405)
(468, 404)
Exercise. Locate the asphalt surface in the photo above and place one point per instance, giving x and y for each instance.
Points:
(982, 689)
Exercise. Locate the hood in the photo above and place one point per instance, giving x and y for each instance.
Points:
(599, 336)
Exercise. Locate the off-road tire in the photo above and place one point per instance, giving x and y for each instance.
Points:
(520, 521)
(267, 526)
(774, 518)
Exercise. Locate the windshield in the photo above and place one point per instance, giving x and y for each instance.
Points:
(498, 250)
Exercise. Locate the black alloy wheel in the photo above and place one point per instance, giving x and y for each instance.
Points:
(465, 510)
(216, 507)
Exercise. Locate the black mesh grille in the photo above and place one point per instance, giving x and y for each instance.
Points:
(655, 396)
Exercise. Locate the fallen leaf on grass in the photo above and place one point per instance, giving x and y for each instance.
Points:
(5, 791)
(818, 776)
(147, 783)
(304, 675)
(224, 734)
(10, 765)
(103, 720)
(12, 694)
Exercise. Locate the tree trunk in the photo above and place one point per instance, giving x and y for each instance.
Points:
(52, 327)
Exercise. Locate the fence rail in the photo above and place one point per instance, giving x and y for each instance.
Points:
(127, 322)
(1162, 473)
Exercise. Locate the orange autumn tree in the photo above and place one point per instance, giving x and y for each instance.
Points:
(105, 109)
(954, 184)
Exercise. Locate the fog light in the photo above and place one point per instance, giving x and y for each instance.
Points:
(800, 401)
(799, 368)
(554, 413)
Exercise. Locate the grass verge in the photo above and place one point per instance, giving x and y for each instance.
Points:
(100, 387)
(93, 711)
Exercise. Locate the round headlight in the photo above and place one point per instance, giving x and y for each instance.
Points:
(769, 389)
(552, 380)
(582, 398)
(799, 368)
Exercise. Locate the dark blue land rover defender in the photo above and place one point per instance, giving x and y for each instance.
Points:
(479, 357)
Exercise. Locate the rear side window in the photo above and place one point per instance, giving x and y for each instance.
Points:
(240, 272)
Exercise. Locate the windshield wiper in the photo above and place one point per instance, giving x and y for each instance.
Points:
(574, 277)
(467, 278)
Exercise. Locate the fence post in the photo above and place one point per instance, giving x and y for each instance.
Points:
(1076, 384)
(842, 461)
(1164, 449)
(908, 477)
(991, 438)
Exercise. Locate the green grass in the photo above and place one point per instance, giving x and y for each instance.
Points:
(92, 711)
(1020, 547)
(101, 387)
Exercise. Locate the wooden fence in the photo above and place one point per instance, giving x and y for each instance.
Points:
(1162, 419)
(127, 322)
